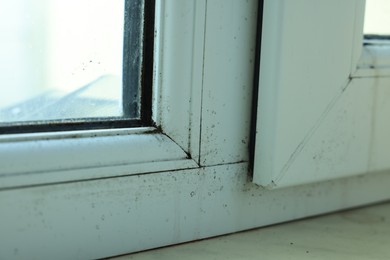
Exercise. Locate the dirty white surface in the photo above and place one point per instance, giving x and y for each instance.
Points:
(354, 234)
(107, 215)
(314, 120)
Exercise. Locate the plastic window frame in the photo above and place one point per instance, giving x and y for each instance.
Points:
(61, 157)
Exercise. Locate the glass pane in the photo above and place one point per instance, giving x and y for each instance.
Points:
(60, 59)
(377, 17)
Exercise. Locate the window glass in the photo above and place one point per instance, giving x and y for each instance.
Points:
(61, 59)
(377, 17)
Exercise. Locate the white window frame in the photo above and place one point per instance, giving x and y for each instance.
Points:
(318, 116)
(83, 155)
(207, 53)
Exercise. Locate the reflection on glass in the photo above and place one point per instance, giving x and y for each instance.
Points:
(60, 59)
(377, 17)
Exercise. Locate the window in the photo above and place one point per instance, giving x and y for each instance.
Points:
(76, 144)
(374, 60)
(76, 65)
(98, 193)
(376, 19)
(71, 144)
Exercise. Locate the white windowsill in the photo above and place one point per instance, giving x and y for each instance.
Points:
(334, 236)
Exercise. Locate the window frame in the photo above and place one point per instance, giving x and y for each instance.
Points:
(327, 87)
(56, 157)
(110, 216)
